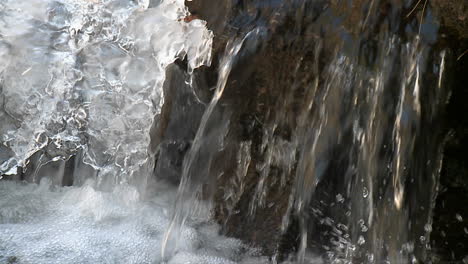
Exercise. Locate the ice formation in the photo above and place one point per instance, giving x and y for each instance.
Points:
(88, 74)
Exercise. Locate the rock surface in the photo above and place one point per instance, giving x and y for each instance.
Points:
(266, 77)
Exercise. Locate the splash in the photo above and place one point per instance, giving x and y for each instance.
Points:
(45, 224)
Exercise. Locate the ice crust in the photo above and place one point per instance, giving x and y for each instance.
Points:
(89, 74)
(42, 224)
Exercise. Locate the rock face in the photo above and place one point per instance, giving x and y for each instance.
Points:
(449, 237)
(252, 178)
(177, 124)
(453, 15)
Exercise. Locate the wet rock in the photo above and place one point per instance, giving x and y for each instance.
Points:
(453, 15)
(176, 126)
(449, 238)
(259, 95)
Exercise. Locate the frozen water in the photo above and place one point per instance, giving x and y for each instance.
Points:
(88, 74)
(46, 224)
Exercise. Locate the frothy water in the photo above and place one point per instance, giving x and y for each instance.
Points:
(45, 224)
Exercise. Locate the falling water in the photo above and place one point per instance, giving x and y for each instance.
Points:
(189, 188)
(347, 135)
(80, 84)
(345, 150)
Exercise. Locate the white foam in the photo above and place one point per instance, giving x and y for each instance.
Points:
(46, 224)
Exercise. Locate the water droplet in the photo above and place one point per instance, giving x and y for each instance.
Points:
(365, 192)
(339, 198)
(428, 227)
(422, 239)
(364, 228)
(361, 240)
(459, 217)
(41, 140)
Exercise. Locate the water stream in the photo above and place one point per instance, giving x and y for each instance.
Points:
(345, 139)
(83, 80)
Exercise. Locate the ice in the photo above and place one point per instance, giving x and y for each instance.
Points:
(88, 74)
(47, 224)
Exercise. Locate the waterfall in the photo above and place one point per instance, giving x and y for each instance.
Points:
(285, 131)
(81, 83)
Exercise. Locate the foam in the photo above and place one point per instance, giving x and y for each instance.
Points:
(47, 224)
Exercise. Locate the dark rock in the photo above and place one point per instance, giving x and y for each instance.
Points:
(266, 92)
(449, 238)
(453, 15)
(176, 126)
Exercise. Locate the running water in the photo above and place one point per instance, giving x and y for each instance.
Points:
(349, 130)
(207, 142)
(345, 137)
(84, 78)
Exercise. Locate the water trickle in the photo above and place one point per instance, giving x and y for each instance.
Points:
(313, 140)
(207, 142)
(82, 80)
